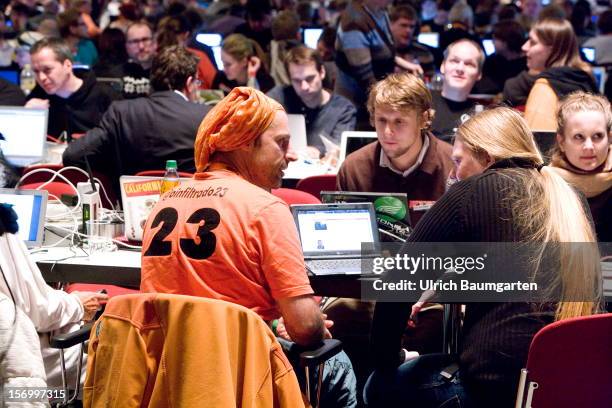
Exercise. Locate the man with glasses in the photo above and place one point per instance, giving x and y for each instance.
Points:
(142, 133)
(141, 47)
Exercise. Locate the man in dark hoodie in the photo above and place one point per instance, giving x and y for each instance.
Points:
(76, 103)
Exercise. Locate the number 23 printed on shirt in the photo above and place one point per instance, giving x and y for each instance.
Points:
(169, 217)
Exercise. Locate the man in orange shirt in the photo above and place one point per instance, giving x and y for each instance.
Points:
(223, 235)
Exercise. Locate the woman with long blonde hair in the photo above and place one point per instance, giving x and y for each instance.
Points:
(504, 194)
(552, 50)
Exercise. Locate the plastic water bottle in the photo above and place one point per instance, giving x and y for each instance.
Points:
(27, 80)
(171, 178)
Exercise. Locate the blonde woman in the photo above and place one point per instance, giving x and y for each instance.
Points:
(583, 157)
(504, 195)
(552, 50)
(244, 63)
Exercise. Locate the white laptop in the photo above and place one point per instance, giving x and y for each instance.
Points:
(489, 46)
(24, 132)
(31, 209)
(311, 37)
(332, 235)
(297, 132)
(351, 141)
(430, 39)
(213, 40)
(138, 197)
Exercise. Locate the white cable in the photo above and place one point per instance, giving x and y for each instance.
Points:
(55, 174)
(97, 236)
(95, 179)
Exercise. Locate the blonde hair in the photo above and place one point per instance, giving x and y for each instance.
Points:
(241, 47)
(550, 200)
(402, 92)
(582, 102)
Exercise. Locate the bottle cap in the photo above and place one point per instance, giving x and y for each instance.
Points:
(171, 164)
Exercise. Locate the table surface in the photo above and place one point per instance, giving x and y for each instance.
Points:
(122, 268)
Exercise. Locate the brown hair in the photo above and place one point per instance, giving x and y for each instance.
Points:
(171, 67)
(303, 55)
(559, 35)
(402, 92)
(241, 47)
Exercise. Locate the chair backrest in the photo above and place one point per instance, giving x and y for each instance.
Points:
(160, 173)
(55, 189)
(292, 196)
(162, 350)
(315, 184)
(570, 361)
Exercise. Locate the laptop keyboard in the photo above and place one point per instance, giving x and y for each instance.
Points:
(334, 266)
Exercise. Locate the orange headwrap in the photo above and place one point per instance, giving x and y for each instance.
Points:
(235, 121)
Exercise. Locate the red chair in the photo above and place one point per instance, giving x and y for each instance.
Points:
(54, 188)
(160, 173)
(569, 365)
(315, 184)
(32, 179)
(111, 290)
(291, 196)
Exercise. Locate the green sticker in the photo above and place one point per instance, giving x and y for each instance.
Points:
(391, 206)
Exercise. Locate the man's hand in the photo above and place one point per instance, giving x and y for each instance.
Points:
(302, 320)
(36, 103)
(409, 66)
(328, 325)
(91, 302)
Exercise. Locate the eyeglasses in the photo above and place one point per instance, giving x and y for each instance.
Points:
(135, 41)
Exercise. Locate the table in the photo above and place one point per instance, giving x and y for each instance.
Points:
(122, 268)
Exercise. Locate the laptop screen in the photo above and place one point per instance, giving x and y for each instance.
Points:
(352, 141)
(311, 37)
(335, 229)
(213, 40)
(31, 208)
(430, 39)
(25, 132)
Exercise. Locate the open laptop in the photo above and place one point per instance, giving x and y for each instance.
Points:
(430, 39)
(31, 209)
(351, 141)
(311, 37)
(392, 215)
(332, 235)
(24, 131)
(297, 132)
(138, 197)
(489, 46)
(213, 40)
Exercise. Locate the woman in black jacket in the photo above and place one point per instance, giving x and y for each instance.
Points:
(504, 194)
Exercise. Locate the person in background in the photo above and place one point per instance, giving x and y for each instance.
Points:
(248, 252)
(462, 68)
(175, 30)
(257, 25)
(602, 42)
(503, 183)
(552, 48)
(404, 21)
(508, 60)
(327, 114)
(73, 30)
(530, 11)
(461, 23)
(75, 103)
(244, 63)
(326, 46)
(141, 48)
(583, 156)
(286, 35)
(113, 56)
(142, 133)
(407, 158)
(11, 94)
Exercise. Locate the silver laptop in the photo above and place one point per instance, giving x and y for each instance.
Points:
(332, 236)
(24, 132)
(31, 209)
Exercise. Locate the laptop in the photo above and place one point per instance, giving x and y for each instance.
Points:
(213, 40)
(297, 132)
(31, 209)
(311, 37)
(10, 75)
(138, 197)
(331, 236)
(351, 141)
(489, 46)
(430, 39)
(392, 215)
(589, 54)
(24, 132)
